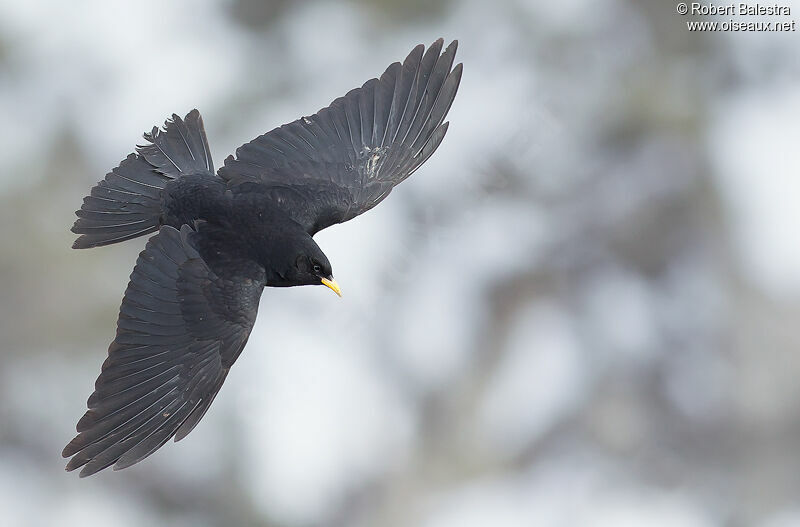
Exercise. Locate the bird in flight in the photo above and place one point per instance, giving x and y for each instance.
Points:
(221, 237)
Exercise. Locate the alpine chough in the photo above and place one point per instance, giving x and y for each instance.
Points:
(221, 237)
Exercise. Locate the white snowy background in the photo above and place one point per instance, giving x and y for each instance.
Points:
(583, 310)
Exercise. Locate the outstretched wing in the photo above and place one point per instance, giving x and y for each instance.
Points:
(180, 328)
(343, 160)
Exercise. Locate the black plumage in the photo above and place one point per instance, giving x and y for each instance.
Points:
(193, 294)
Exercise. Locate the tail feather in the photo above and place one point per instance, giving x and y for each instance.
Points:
(120, 208)
(181, 148)
(128, 202)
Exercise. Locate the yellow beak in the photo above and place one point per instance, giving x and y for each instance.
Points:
(333, 285)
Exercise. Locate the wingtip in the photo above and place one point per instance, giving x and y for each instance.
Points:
(435, 49)
(452, 48)
(74, 464)
(415, 56)
(453, 45)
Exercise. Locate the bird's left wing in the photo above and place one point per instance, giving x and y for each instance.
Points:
(180, 328)
(342, 161)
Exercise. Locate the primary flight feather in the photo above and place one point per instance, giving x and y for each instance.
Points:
(222, 237)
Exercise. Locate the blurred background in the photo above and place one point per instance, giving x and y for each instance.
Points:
(584, 310)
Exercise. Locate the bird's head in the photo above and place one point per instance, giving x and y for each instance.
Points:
(308, 265)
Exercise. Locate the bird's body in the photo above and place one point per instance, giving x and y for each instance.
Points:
(246, 222)
(222, 237)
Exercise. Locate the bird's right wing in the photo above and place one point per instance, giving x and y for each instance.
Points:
(342, 161)
(180, 328)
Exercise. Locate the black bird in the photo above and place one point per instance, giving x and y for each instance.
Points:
(193, 294)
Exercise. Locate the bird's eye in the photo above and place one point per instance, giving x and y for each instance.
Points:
(317, 268)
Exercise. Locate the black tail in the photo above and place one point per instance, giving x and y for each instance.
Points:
(127, 203)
